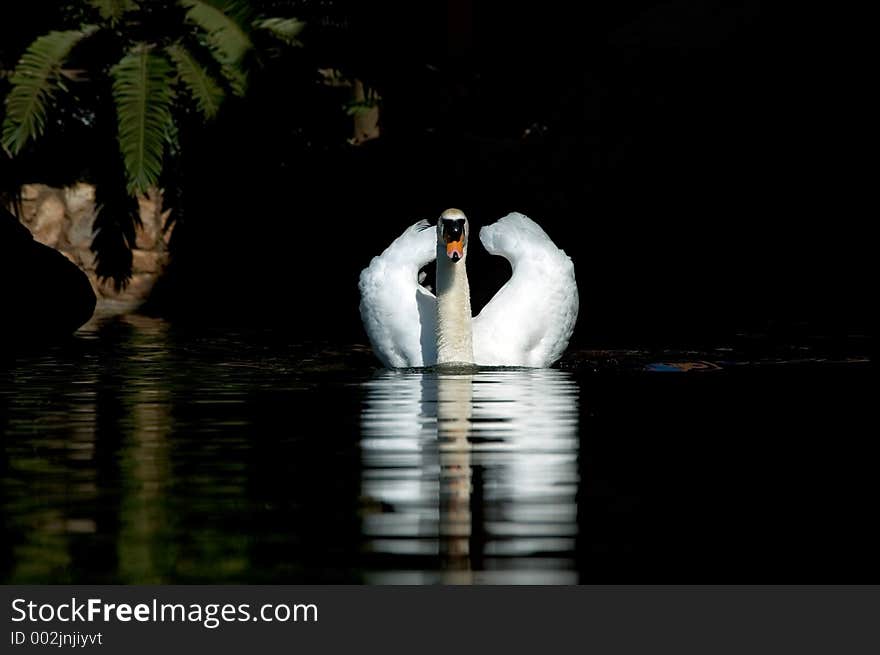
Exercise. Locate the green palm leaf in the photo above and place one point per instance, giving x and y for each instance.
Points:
(34, 82)
(205, 90)
(226, 36)
(142, 93)
(285, 29)
(113, 10)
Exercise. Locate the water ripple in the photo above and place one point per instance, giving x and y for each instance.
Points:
(472, 467)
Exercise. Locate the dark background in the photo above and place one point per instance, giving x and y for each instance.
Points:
(693, 158)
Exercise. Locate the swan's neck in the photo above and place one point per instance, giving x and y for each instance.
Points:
(454, 321)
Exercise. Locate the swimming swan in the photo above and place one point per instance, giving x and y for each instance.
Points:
(527, 323)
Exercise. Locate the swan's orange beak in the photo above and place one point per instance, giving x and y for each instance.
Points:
(453, 231)
(455, 249)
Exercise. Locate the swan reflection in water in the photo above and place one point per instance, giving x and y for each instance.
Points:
(472, 474)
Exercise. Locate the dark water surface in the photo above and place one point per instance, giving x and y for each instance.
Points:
(141, 452)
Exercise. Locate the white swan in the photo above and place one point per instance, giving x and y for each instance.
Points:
(527, 323)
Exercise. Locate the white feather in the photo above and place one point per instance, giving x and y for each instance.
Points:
(531, 318)
(398, 313)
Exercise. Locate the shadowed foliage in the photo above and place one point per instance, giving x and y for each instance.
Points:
(35, 81)
(134, 69)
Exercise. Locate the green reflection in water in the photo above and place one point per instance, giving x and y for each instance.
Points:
(138, 453)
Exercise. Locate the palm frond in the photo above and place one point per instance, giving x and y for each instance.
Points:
(284, 29)
(34, 82)
(113, 10)
(205, 90)
(225, 34)
(142, 93)
(116, 217)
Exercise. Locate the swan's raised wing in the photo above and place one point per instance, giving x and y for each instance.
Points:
(399, 314)
(531, 318)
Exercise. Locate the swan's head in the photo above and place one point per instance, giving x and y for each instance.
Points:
(452, 234)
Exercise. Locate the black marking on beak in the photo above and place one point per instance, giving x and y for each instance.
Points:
(453, 229)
